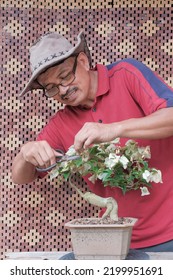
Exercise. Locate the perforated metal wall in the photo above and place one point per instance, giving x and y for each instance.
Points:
(33, 216)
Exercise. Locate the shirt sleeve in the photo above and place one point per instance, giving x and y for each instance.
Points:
(146, 87)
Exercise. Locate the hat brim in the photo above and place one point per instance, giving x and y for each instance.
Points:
(32, 83)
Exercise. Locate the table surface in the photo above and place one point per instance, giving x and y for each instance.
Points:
(57, 255)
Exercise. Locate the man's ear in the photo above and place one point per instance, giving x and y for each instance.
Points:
(83, 59)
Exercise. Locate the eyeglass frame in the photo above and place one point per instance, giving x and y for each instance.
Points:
(73, 71)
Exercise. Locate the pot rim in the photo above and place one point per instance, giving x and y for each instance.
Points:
(71, 224)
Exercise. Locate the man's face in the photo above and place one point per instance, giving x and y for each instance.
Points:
(68, 82)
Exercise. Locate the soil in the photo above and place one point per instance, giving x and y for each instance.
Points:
(100, 221)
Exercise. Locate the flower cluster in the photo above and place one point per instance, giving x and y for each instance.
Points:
(123, 167)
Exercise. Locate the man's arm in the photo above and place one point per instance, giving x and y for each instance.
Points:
(158, 125)
(23, 171)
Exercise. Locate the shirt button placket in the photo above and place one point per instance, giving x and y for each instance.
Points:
(95, 116)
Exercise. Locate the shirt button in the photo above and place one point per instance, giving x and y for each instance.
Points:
(94, 109)
(100, 121)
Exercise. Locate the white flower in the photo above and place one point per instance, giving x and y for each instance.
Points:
(145, 152)
(130, 142)
(147, 176)
(144, 191)
(86, 167)
(71, 151)
(112, 160)
(156, 176)
(92, 178)
(100, 149)
(64, 166)
(110, 148)
(124, 161)
(115, 141)
(153, 176)
(54, 173)
(102, 176)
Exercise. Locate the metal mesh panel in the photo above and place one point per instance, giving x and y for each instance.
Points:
(33, 216)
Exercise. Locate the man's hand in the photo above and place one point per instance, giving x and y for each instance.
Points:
(92, 133)
(32, 154)
(38, 153)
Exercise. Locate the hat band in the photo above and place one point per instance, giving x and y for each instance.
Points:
(47, 59)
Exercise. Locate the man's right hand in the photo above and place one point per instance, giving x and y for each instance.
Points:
(33, 154)
(39, 153)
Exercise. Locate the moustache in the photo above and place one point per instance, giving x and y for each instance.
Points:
(68, 92)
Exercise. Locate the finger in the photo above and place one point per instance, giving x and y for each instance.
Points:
(41, 161)
(79, 144)
(86, 136)
(48, 154)
(41, 154)
(88, 142)
(35, 159)
(38, 153)
(85, 143)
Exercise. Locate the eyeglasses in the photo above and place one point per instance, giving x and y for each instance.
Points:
(67, 80)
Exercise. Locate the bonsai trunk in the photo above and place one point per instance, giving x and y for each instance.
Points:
(109, 203)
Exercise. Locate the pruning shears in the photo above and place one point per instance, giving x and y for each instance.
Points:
(60, 158)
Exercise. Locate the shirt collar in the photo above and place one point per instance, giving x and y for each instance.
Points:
(103, 82)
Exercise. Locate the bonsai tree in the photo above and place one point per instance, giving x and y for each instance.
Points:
(124, 167)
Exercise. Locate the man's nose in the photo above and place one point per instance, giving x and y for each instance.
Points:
(63, 89)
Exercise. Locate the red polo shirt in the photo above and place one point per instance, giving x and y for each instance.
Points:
(127, 89)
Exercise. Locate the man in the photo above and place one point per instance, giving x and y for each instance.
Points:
(125, 99)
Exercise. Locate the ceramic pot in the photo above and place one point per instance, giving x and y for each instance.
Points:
(100, 241)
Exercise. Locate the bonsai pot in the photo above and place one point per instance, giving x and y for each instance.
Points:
(94, 238)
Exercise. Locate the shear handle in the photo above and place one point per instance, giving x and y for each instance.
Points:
(59, 159)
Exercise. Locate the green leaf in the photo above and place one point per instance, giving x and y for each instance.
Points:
(66, 175)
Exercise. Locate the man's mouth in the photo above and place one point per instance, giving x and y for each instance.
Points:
(69, 93)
